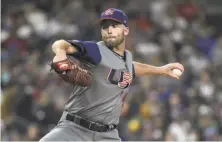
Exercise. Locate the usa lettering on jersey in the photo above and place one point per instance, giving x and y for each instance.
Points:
(125, 80)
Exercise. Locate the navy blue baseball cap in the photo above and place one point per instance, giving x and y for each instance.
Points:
(116, 15)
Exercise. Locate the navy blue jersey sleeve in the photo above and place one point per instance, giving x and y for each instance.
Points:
(87, 50)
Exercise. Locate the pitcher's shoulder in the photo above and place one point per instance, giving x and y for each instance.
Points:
(101, 44)
(88, 50)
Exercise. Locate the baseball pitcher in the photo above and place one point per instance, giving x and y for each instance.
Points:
(101, 74)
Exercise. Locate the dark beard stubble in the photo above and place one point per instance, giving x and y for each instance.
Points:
(113, 44)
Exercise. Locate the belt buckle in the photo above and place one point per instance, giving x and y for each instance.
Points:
(110, 127)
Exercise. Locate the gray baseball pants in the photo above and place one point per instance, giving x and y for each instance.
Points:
(69, 131)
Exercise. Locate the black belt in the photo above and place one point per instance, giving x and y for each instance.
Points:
(94, 126)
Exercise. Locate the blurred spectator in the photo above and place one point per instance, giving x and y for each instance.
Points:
(188, 10)
(32, 133)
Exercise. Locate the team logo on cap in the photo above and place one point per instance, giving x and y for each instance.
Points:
(109, 12)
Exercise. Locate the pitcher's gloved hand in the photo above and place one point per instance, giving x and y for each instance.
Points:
(73, 71)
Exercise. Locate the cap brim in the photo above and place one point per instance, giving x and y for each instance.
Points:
(101, 19)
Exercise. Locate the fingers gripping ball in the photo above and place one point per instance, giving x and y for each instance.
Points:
(177, 72)
(73, 71)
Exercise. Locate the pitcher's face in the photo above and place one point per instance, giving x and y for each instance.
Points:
(113, 33)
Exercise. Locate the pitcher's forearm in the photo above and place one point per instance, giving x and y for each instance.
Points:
(145, 69)
(60, 55)
(61, 46)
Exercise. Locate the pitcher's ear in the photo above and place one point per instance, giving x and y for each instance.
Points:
(126, 31)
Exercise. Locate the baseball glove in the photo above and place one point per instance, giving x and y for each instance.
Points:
(73, 71)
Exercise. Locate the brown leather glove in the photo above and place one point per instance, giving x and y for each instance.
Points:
(73, 71)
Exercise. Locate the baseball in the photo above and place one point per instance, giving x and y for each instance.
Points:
(177, 72)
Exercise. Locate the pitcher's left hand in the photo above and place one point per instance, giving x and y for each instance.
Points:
(168, 69)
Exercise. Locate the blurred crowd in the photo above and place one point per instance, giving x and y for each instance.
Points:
(161, 31)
